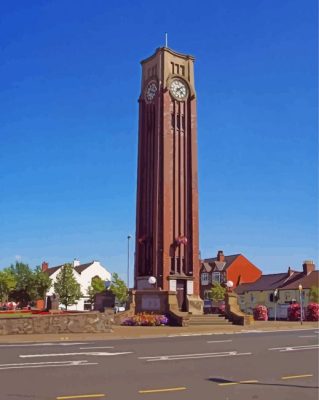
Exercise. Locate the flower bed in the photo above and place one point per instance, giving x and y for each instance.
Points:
(144, 319)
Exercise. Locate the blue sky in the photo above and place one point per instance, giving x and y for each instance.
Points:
(69, 84)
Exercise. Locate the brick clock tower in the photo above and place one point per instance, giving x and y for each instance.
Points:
(166, 249)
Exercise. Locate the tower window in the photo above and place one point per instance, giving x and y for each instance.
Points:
(178, 121)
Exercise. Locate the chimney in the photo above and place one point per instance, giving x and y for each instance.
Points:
(220, 255)
(44, 266)
(76, 263)
(308, 266)
(290, 272)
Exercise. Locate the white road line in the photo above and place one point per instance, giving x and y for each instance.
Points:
(219, 341)
(243, 331)
(272, 331)
(192, 356)
(295, 348)
(77, 363)
(308, 336)
(42, 344)
(73, 354)
(102, 347)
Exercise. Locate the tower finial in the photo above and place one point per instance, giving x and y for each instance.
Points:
(166, 39)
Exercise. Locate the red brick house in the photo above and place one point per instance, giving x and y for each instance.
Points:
(236, 268)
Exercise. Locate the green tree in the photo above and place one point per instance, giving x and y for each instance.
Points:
(66, 286)
(217, 292)
(119, 289)
(97, 286)
(314, 294)
(24, 290)
(7, 284)
(41, 283)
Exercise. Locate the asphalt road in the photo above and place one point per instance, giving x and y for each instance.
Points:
(251, 365)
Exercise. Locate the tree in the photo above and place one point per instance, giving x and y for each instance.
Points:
(7, 284)
(119, 289)
(314, 294)
(24, 290)
(41, 282)
(66, 286)
(97, 286)
(217, 292)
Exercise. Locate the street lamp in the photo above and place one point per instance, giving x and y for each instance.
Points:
(152, 280)
(275, 300)
(229, 285)
(128, 261)
(300, 296)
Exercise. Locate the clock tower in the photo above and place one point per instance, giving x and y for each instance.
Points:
(167, 240)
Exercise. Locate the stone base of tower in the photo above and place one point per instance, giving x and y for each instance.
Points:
(162, 302)
(195, 305)
(150, 301)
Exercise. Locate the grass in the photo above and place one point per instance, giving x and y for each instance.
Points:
(15, 315)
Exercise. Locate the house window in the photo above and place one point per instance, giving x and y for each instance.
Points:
(216, 277)
(205, 278)
(207, 295)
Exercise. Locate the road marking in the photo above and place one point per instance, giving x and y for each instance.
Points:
(81, 396)
(102, 347)
(308, 336)
(272, 331)
(93, 353)
(41, 344)
(243, 331)
(219, 341)
(237, 383)
(162, 390)
(295, 348)
(228, 384)
(192, 356)
(296, 376)
(46, 364)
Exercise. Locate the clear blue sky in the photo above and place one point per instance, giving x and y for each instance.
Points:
(70, 80)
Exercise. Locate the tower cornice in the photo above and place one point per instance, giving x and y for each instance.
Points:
(168, 50)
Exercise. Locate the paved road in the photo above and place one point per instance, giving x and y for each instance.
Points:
(251, 365)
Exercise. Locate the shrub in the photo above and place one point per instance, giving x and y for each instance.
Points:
(294, 312)
(144, 319)
(312, 312)
(260, 313)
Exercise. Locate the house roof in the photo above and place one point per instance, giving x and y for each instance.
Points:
(307, 281)
(79, 268)
(280, 281)
(227, 263)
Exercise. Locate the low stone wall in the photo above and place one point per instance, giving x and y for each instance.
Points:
(91, 322)
(233, 312)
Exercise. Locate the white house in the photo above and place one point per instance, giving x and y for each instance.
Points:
(83, 273)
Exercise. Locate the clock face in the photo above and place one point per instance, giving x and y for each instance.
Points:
(150, 91)
(178, 89)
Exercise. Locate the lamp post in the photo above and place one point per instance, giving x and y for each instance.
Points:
(275, 300)
(300, 296)
(128, 261)
(152, 281)
(229, 285)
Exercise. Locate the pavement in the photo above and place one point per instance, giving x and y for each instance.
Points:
(139, 332)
